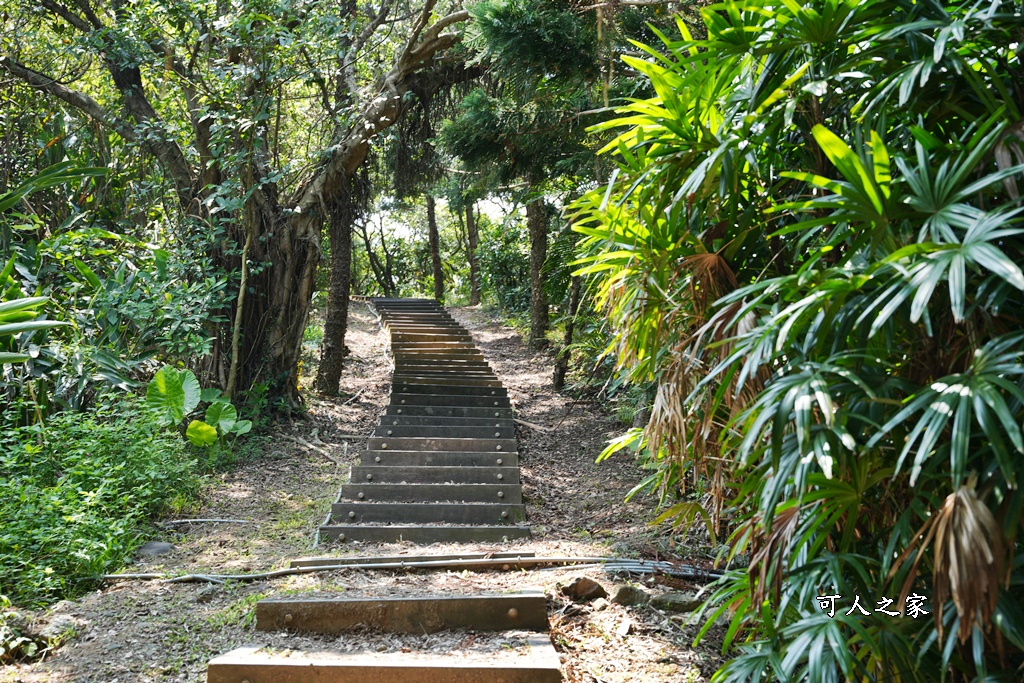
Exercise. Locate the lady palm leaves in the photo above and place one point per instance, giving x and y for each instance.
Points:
(858, 377)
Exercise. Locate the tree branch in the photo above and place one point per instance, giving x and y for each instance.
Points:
(76, 99)
(380, 112)
(67, 15)
(360, 42)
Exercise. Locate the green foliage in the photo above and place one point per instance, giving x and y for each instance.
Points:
(15, 644)
(17, 317)
(505, 264)
(812, 249)
(172, 395)
(73, 494)
(532, 42)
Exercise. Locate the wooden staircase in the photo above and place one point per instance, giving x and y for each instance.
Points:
(443, 463)
(441, 466)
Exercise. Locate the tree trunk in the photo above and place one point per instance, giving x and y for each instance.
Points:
(435, 250)
(279, 296)
(474, 266)
(562, 364)
(537, 224)
(332, 353)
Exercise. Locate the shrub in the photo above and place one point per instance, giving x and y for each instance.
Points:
(812, 248)
(74, 493)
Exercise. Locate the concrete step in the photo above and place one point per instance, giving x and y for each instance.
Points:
(448, 411)
(426, 493)
(450, 400)
(413, 533)
(430, 421)
(443, 368)
(325, 561)
(409, 443)
(427, 513)
(260, 665)
(423, 431)
(434, 474)
(439, 459)
(461, 385)
(403, 337)
(415, 614)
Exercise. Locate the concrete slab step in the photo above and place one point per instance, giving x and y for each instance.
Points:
(413, 614)
(448, 411)
(254, 664)
(405, 443)
(414, 533)
(448, 432)
(454, 383)
(440, 459)
(434, 474)
(452, 400)
(329, 560)
(429, 493)
(445, 369)
(427, 513)
(431, 421)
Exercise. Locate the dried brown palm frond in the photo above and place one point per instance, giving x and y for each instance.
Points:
(970, 559)
(712, 278)
(768, 553)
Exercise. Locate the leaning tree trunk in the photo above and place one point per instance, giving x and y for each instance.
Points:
(562, 364)
(435, 250)
(332, 353)
(474, 266)
(537, 224)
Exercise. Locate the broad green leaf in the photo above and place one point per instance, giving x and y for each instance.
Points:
(201, 434)
(165, 395)
(210, 394)
(222, 415)
(242, 427)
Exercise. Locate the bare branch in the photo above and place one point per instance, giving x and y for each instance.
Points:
(76, 99)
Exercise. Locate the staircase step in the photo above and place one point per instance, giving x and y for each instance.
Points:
(431, 421)
(418, 533)
(417, 614)
(258, 665)
(449, 411)
(400, 443)
(442, 431)
(433, 474)
(423, 493)
(452, 383)
(440, 459)
(326, 561)
(450, 400)
(426, 513)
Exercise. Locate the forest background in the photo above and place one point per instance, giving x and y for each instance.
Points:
(782, 237)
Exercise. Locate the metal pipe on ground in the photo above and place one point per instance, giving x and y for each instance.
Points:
(609, 563)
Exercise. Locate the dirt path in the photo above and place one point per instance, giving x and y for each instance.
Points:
(150, 631)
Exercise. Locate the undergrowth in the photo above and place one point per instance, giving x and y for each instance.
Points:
(75, 491)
